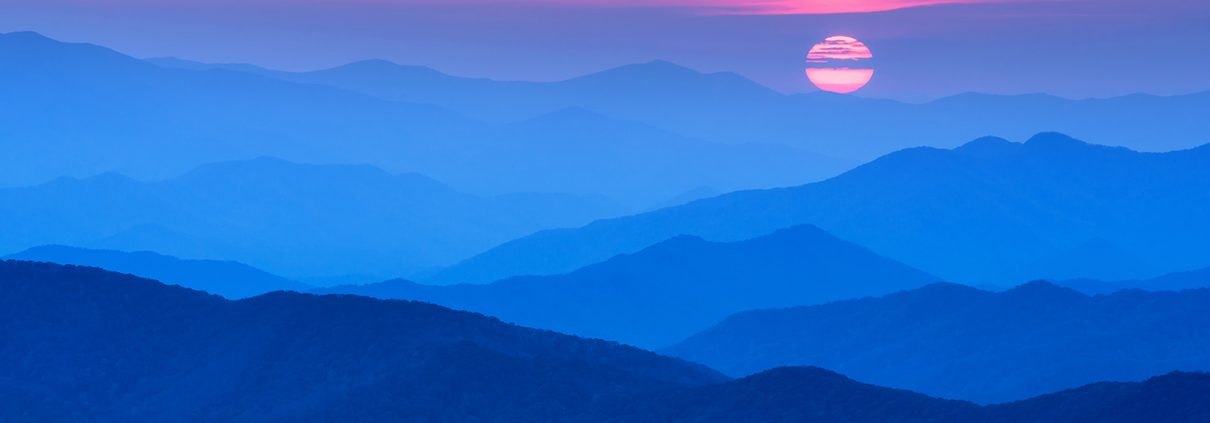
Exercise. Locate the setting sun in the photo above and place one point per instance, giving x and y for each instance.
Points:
(830, 64)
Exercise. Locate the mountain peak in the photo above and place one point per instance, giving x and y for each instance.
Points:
(988, 147)
(383, 65)
(34, 52)
(25, 36)
(658, 70)
(1043, 289)
(1053, 141)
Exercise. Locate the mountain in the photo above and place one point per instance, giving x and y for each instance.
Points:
(226, 278)
(817, 395)
(83, 344)
(1170, 398)
(59, 119)
(81, 109)
(578, 151)
(953, 341)
(989, 212)
(100, 346)
(291, 219)
(791, 395)
(1176, 281)
(670, 290)
(725, 107)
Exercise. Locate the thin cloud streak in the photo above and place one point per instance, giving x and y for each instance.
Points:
(708, 7)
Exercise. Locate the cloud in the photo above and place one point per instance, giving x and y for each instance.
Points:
(718, 7)
(839, 47)
(805, 7)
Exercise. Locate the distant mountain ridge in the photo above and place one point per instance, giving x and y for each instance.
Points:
(101, 105)
(85, 344)
(226, 278)
(674, 288)
(185, 115)
(726, 107)
(291, 219)
(989, 212)
(1176, 281)
(953, 341)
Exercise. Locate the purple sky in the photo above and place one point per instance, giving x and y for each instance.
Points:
(1072, 48)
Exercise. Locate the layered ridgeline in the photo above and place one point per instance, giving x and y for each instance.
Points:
(82, 344)
(958, 342)
(668, 291)
(290, 219)
(229, 279)
(91, 345)
(79, 110)
(726, 107)
(989, 212)
(1176, 281)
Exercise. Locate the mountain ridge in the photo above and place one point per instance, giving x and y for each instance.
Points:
(1022, 204)
(264, 211)
(955, 341)
(83, 343)
(668, 290)
(230, 279)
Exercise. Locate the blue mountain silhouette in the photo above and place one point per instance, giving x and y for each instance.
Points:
(989, 212)
(114, 113)
(958, 342)
(291, 219)
(86, 344)
(726, 107)
(101, 346)
(226, 278)
(1175, 281)
(665, 292)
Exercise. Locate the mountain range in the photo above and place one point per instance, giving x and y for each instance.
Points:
(1176, 281)
(989, 212)
(672, 289)
(86, 344)
(92, 110)
(726, 107)
(226, 278)
(953, 341)
(296, 220)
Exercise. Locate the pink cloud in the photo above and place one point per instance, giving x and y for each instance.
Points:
(805, 7)
(838, 47)
(736, 7)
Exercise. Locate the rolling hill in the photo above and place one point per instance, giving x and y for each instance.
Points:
(295, 220)
(86, 344)
(1176, 281)
(989, 212)
(229, 279)
(953, 341)
(725, 107)
(100, 346)
(79, 110)
(670, 290)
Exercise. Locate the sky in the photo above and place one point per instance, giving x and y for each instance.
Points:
(922, 49)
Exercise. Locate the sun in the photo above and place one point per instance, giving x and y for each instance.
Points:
(834, 65)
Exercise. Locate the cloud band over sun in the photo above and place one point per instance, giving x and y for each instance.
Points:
(736, 7)
(789, 7)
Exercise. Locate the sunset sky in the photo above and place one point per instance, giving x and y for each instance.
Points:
(924, 48)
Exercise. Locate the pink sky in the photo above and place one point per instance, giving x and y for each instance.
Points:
(739, 7)
(776, 7)
(1071, 48)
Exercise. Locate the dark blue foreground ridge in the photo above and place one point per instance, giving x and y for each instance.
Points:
(84, 344)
